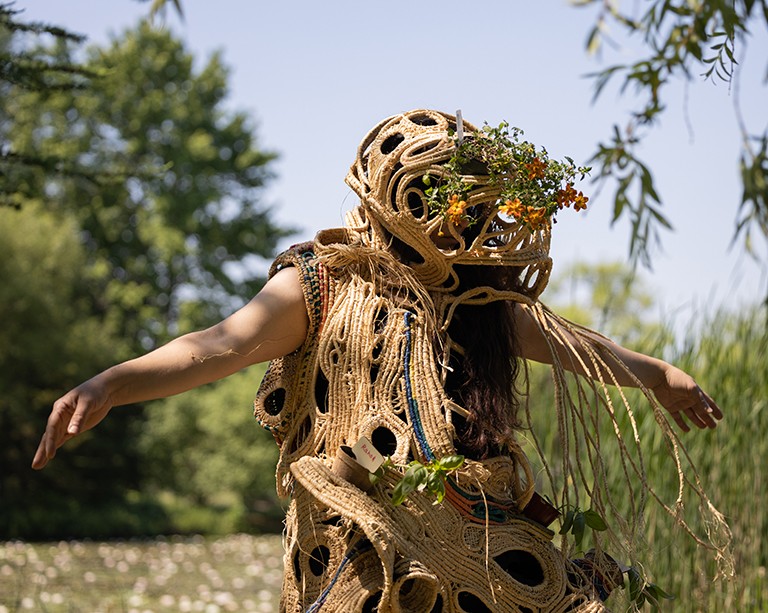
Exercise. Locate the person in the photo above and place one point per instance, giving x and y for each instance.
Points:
(407, 328)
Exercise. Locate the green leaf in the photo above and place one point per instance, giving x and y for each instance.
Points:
(594, 520)
(451, 462)
(375, 477)
(400, 491)
(579, 524)
(436, 486)
(635, 584)
(567, 522)
(593, 40)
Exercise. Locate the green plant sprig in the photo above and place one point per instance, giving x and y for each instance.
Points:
(532, 186)
(421, 477)
(577, 521)
(642, 591)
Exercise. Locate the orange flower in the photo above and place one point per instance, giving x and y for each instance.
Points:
(536, 169)
(536, 217)
(580, 202)
(455, 211)
(566, 196)
(512, 208)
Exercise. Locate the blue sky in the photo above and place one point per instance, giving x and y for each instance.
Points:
(316, 76)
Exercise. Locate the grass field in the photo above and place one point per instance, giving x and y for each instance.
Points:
(232, 573)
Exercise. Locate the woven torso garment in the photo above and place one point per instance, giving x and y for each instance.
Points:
(369, 368)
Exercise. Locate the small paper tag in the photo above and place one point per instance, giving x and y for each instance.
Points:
(367, 455)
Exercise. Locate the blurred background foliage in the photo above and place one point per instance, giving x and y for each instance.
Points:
(135, 215)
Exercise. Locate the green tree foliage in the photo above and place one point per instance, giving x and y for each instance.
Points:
(609, 297)
(168, 244)
(50, 341)
(682, 40)
(153, 237)
(24, 67)
(206, 449)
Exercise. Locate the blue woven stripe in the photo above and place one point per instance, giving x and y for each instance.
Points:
(413, 406)
(359, 548)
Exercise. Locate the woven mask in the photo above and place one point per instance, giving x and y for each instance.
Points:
(388, 176)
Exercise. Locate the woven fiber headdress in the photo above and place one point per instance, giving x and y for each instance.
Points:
(441, 192)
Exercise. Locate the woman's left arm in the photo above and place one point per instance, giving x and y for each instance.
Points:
(674, 389)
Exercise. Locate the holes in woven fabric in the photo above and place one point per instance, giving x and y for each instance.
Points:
(391, 142)
(321, 392)
(394, 185)
(376, 351)
(416, 204)
(297, 565)
(472, 604)
(417, 593)
(301, 434)
(371, 605)
(521, 566)
(525, 610)
(275, 401)
(384, 440)
(374, 372)
(438, 608)
(380, 321)
(423, 120)
(318, 560)
(335, 520)
(424, 149)
(530, 281)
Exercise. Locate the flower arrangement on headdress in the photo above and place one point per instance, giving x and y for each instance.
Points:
(533, 188)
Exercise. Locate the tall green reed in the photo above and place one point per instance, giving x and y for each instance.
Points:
(727, 353)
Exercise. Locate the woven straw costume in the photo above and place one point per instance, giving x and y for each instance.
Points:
(373, 365)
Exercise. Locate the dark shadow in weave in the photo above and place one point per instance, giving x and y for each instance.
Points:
(371, 605)
(438, 608)
(472, 604)
(321, 392)
(275, 401)
(384, 440)
(301, 434)
(297, 566)
(391, 142)
(521, 566)
(319, 559)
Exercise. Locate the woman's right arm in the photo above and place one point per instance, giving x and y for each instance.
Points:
(271, 325)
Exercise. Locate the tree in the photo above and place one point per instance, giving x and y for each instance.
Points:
(24, 68)
(170, 244)
(607, 296)
(683, 39)
(96, 269)
(50, 340)
(206, 448)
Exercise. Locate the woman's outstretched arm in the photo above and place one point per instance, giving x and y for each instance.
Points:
(674, 389)
(271, 325)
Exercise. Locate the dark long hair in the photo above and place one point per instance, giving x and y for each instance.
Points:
(484, 377)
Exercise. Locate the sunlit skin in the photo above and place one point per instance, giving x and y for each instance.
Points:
(275, 323)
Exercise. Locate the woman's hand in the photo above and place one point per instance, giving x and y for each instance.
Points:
(679, 394)
(274, 323)
(77, 411)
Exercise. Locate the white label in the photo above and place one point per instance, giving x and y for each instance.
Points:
(367, 455)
